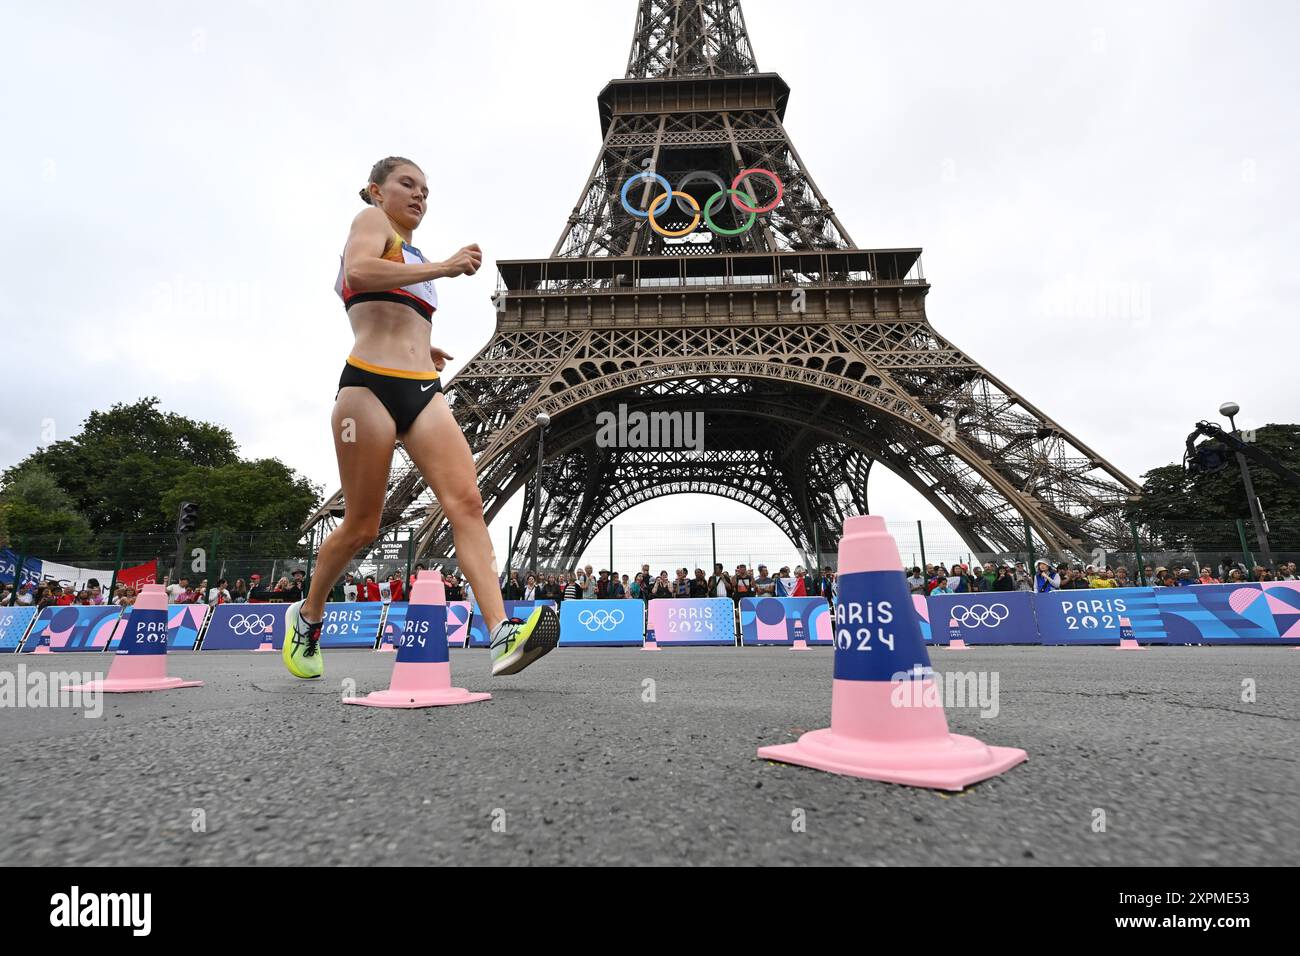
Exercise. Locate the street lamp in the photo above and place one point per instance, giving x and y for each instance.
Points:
(1229, 411)
(542, 420)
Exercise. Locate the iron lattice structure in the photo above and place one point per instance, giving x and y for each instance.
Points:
(811, 360)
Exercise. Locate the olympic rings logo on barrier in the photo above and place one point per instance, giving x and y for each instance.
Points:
(600, 620)
(250, 623)
(712, 205)
(975, 615)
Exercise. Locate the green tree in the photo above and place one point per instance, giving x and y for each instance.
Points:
(130, 467)
(1201, 511)
(247, 507)
(124, 460)
(34, 510)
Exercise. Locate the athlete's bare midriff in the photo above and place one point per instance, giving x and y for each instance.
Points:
(391, 335)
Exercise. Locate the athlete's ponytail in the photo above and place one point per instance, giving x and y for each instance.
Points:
(380, 172)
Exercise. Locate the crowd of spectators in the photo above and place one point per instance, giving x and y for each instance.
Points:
(962, 578)
(255, 590)
(645, 585)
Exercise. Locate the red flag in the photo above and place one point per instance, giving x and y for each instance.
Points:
(139, 575)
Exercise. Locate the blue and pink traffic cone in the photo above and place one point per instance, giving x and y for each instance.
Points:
(878, 641)
(800, 642)
(268, 643)
(1127, 638)
(140, 663)
(422, 671)
(650, 643)
(955, 641)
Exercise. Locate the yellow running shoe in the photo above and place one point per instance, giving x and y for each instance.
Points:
(301, 652)
(517, 643)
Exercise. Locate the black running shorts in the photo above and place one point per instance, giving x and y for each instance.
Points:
(403, 393)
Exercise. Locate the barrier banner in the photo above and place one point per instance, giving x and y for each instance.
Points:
(73, 628)
(1284, 601)
(784, 620)
(1228, 613)
(989, 617)
(692, 621)
(923, 616)
(478, 634)
(458, 613)
(243, 627)
(9, 564)
(13, 625)
(184, 621)
(602, 623)
(1091, 616)
(350, 624)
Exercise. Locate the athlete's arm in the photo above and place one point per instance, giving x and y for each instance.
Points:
(439, 357)
(365, 270)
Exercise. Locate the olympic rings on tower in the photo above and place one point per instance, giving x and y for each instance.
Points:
(687, 203)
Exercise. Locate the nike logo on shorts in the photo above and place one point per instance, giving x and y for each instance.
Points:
(425, 388)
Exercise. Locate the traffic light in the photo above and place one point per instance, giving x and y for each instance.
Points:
(188, 520)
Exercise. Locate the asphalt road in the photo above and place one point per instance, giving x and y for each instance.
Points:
(576, 766)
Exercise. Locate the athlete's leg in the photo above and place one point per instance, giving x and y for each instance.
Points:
(438, 448)
(364, 434)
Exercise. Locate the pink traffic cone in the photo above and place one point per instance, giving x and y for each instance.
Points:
(44, 646)
(880, 658)
(799, 643)
(422, 671)
(650, 643)
(266, 644)
(955, 642)
(140, 663)
(1127, 640)
(388, 645)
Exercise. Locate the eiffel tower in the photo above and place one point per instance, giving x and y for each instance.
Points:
(811, 360)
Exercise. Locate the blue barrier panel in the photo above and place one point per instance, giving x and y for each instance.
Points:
(458, 613)
(14, 622)
(602, 623)
(73, 628)
(184, 622)
(1284, 601)
(784, 620)
(238, 627)
(243, 627)
(350, 624)
(1091, 616)
(692, 621)
(478, 635)
(990, 617)
(1223, 614)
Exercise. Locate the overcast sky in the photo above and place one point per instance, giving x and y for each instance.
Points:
(1106, 194)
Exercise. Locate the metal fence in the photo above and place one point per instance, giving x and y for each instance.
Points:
(626, 547)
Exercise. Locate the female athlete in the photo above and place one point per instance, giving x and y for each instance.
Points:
(390, 391)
